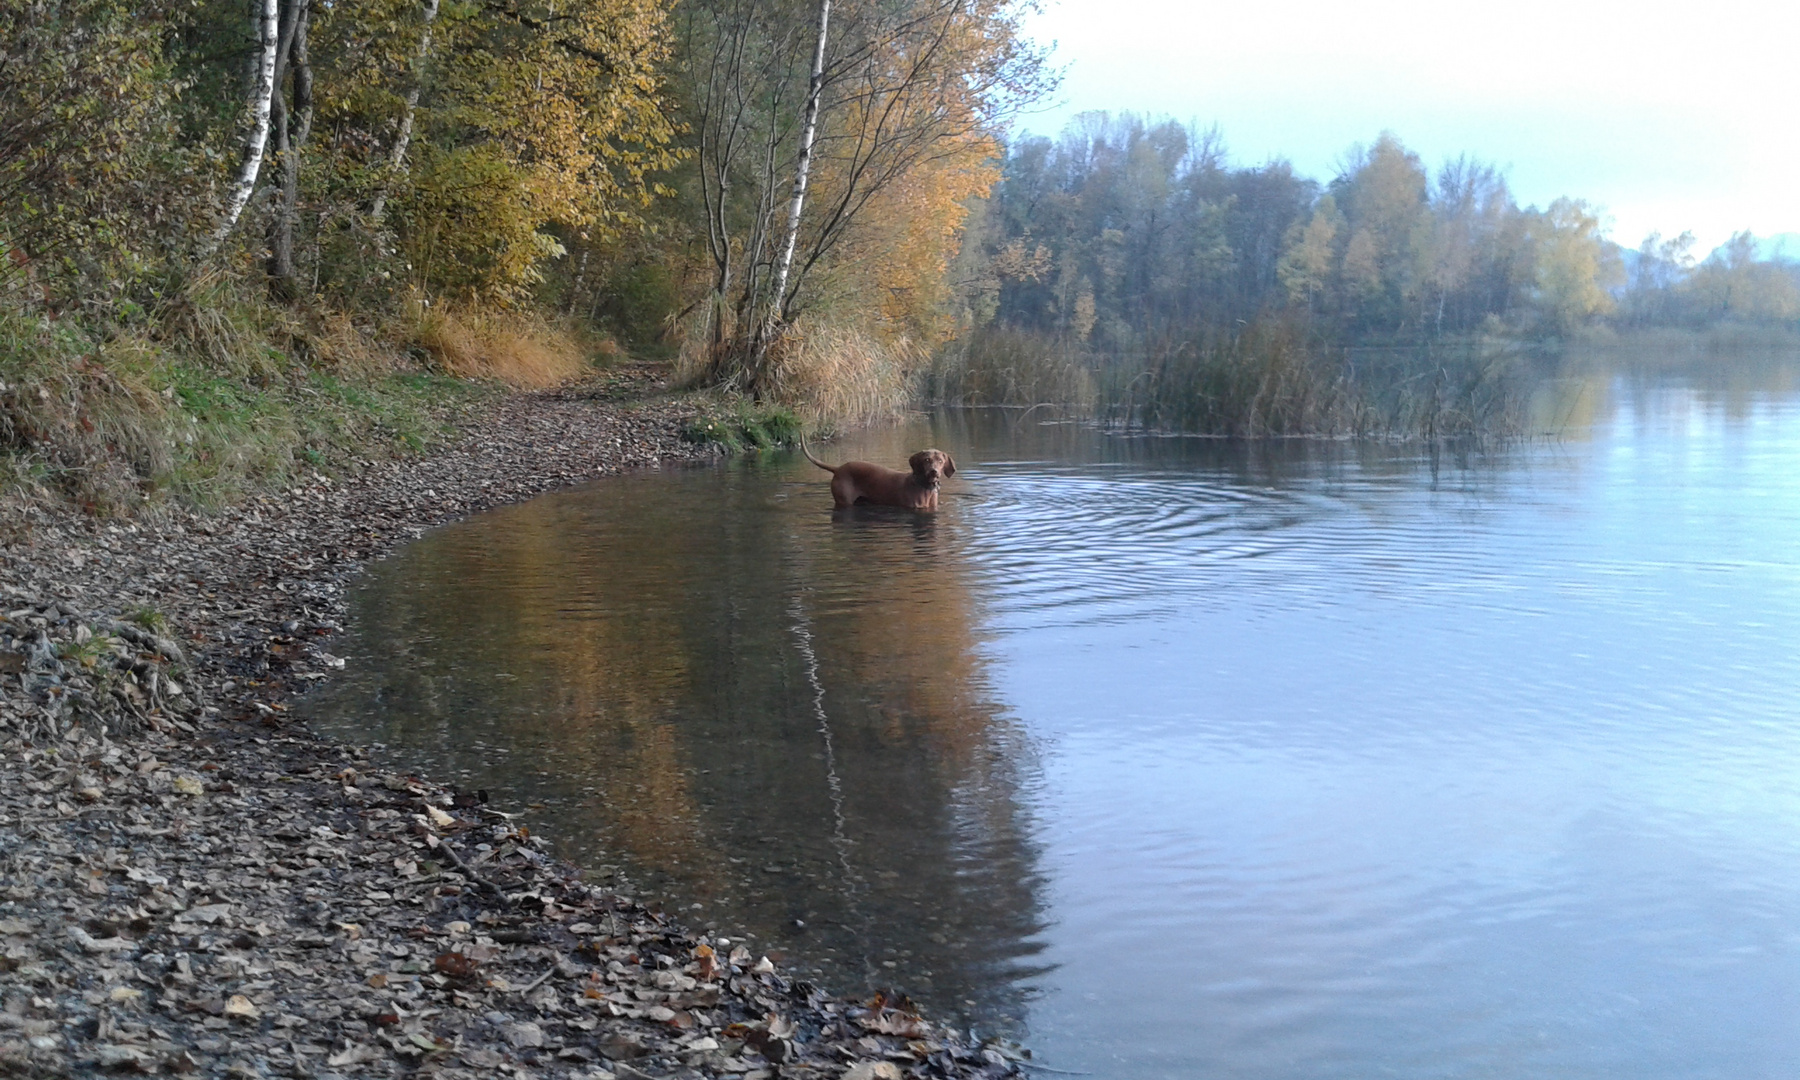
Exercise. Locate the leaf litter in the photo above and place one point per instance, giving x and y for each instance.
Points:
(192, 886)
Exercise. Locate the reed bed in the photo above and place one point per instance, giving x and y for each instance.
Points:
(996, 365)
(829, 376)
(1261, 381)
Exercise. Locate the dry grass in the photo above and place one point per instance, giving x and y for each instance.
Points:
(831, 376)
(197, 410)
(343, 346)
(842, 376)
(86, 414)
(519, 350)
(995, 365)
(1263, 380)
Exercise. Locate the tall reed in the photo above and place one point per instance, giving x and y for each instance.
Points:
(997, 365)
(1265, 379)
(832, 375)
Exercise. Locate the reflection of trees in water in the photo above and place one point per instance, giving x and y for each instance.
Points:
(663, 661)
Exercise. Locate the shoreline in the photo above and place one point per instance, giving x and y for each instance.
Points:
(193, 884)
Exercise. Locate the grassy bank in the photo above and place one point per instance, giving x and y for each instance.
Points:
(218, 396)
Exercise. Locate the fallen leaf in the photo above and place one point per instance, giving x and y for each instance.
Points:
(91, 944)
(187, 785)
(905, 1025)
(709, 963)
(240, 1006)
(438, 817)
(121, 1058)
(872, 1070)
(455, 965)
(354, 1054)
(207, 913)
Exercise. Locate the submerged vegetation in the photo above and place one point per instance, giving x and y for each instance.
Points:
(236, 246)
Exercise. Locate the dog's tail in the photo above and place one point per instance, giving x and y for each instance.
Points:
(812, 459)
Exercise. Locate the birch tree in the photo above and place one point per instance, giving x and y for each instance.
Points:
(842, 102)
(808, 126)
(292, 127)
(262, 93)
(396, 164)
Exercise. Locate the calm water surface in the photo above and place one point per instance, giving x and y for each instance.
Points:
(1179, 758)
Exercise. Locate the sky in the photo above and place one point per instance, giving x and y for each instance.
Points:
(1667, 116)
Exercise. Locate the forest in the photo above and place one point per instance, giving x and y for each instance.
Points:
(245, 238)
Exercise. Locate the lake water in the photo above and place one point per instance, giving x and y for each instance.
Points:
(1175, 757)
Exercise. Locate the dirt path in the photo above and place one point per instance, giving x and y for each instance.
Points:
(190, 885)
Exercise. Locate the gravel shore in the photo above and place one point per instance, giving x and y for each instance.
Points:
(191, 885)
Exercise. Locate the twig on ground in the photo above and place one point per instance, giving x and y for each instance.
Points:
(462, 868)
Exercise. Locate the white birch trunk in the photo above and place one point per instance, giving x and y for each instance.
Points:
(403, 137)
(778, 302)
(258, 138)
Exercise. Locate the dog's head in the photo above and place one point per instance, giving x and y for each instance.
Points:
(931, 466)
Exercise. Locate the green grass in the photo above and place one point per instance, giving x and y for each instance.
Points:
(149, 618)
(86, 653)
(740, 426)
(140, 416)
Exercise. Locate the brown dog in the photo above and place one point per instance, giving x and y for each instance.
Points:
(859, 481)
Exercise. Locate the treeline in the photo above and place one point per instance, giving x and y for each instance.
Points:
(1122, 233)
(210, 210)
(199, 191)
(1668, 286)
(730, 163)
(1131, 265)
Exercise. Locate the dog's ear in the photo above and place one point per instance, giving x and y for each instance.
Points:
(949, 465)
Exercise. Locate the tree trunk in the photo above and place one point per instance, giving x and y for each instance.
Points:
(778, 300)
(290, 135)
(403, 137)
(258, 136)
